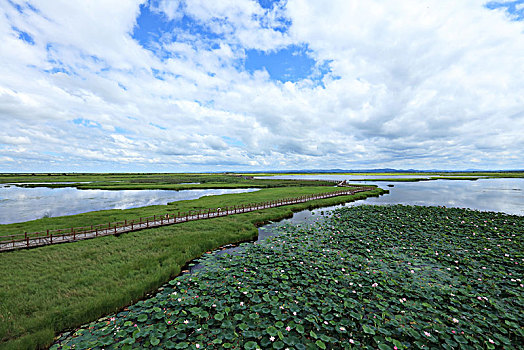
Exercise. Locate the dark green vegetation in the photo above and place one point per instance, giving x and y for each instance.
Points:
(51, 289)
(152, 181)
(370, 277)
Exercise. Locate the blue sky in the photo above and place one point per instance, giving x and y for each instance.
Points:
(515, 8)
(286, 63)
(138, 85)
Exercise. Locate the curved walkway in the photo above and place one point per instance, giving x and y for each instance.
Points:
(37, 239)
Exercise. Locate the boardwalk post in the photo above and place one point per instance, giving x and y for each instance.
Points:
(26, 239)
(96, 232)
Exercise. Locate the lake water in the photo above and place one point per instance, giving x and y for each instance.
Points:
(500, 195)
(342, 177)
(18, 204)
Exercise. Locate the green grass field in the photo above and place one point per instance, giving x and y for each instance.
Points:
(51, 289)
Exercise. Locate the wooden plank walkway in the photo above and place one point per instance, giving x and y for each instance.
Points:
(38, 239)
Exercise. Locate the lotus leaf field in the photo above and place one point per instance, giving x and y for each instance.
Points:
(386, 277)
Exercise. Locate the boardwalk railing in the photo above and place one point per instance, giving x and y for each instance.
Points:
(35, 239)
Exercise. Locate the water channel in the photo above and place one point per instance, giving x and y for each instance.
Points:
(19, 204)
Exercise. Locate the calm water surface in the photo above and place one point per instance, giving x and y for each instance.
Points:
(342, 177)
(500, 195)
(18, 204)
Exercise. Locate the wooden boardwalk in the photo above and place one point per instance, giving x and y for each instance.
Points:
(37, 239)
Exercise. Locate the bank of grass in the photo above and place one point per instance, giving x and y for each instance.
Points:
(105, 216)
(242, 183)
(236, 183)
(54, 288)
(368, 277)
(151, 181)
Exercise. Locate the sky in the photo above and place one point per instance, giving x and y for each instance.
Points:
(245, 85)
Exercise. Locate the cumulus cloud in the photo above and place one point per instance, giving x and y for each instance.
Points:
(162, 85)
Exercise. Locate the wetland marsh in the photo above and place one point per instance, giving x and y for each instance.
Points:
(101, 277)
(388, 277)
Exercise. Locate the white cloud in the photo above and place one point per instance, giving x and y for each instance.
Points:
(14, 140)
(241, 21)
(170, 8)
(411, 84)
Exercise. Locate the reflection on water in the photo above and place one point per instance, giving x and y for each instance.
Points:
(342, 177)
(501, 195)
(18, 204)
(23, 204)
